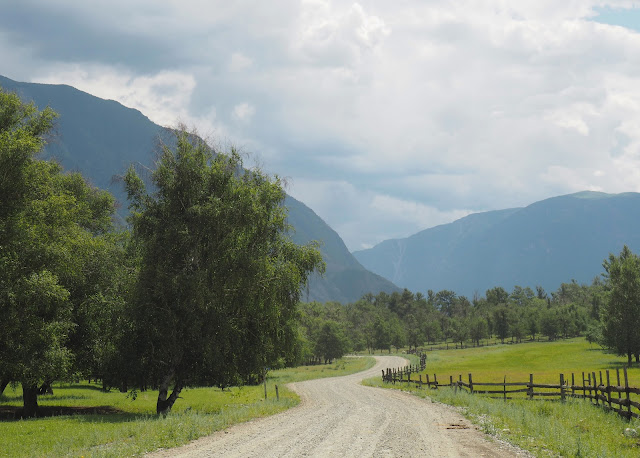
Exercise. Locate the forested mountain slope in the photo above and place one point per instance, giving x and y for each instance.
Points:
(100, 138)
(546, 243)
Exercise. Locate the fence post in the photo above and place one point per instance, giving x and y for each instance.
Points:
(530, 393)
(428, 382)
(420, 380)
(573, 386)
(277, 394)
(504, 388)
(264, 380)
(383, 376)
(562, 387)
(601, 387)
(470, 384)
(619, 393)
(584, 388)
(435, 381)
(595, 388)
(451, 381)
(589, 386)
(608, 390)
(626, 390)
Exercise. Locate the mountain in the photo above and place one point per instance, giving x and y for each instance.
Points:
(546, 243)
(345, 280)
(101, 138)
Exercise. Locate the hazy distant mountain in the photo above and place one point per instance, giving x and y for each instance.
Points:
(100, 138)
(345, 279)
(547, 243)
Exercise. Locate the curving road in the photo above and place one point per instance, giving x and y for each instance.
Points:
(338, 417)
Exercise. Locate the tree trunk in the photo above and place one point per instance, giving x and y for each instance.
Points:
(3, 384)
(164, 404)
(29, 400)
(637, 361)
(629, 358)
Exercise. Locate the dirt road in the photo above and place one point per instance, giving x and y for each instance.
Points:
(338, 417)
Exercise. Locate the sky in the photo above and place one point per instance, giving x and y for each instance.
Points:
(386, 118)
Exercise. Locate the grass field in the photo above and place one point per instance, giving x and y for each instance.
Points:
(546, 428)
(134, 429)
(546, 360)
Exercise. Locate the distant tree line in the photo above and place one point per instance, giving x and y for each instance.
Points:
(383, 321)
(606, 312)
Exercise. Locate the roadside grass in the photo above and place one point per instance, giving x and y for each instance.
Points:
(573, 428)
(135, 429)
(545, 428)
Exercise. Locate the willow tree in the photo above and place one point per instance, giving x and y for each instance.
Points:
(219, 278)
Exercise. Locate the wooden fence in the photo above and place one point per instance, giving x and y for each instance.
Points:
(600, 392)
(394, 375)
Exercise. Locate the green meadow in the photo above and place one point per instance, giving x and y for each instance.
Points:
(546, 360)
(574, 428)
(132, 428)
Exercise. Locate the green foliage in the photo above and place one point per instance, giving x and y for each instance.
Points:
(398, 319)
(219, 281)
(331, 342)
(621, 312)
(51, 225)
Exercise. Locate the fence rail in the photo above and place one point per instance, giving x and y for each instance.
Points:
(600, 392)
(393, 375)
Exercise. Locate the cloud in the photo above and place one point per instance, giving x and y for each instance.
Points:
(243, 112)
(387, 116)
(163, 96)
(364, 218)
(239, 62)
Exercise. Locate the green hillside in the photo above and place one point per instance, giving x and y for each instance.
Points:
(100, 138)
(546, 243)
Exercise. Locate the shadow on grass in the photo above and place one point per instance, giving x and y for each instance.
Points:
(97, 413)
(56, 390)
(622, 364)
(79, 386)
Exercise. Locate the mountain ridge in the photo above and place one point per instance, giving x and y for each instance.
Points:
(543, 244)
(101, 138)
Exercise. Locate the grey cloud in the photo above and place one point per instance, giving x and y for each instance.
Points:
(450, 105)
(60, 35)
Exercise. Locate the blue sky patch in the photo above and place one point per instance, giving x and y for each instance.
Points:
(629, 18)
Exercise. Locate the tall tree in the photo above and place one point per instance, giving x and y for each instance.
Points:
(219, 278)
(49, 222)
(621, 311)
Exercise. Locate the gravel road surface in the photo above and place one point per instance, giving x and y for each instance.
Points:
(338, 417)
